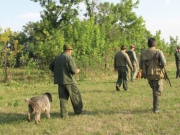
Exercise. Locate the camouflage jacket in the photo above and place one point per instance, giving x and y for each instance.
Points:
(152, 62)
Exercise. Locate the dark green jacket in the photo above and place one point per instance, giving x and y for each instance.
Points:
(177, 56)
(63, 67)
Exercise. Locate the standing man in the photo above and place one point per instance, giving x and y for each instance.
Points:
(64, 68)
(152, 63)
(177, 59)
(121, 63)
(134, 62)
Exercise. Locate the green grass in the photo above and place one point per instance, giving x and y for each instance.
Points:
(108, 112)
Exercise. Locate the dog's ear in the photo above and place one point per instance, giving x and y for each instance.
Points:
(49, 96)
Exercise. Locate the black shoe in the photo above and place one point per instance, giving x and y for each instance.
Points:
(117, 88)
(83, 112)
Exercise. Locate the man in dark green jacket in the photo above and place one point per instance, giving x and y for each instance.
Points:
(64, 68)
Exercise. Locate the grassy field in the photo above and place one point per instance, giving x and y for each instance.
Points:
(108, 112)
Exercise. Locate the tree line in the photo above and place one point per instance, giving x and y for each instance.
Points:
(95, 37)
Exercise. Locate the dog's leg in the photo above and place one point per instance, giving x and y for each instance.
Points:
(29, 113)
(28, 117)
(47, 112)
(37, 117)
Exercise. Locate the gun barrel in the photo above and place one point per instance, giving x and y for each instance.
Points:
(167, 78)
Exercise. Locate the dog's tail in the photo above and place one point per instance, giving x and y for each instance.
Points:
(27, 100)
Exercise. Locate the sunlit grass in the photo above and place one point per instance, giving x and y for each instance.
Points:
(108, 112)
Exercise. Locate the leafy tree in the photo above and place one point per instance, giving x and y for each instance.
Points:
(46, 51)
(55, 13)
(173, 44)
(44, 34)
(9, 50)
(90, 8)
(161, 43)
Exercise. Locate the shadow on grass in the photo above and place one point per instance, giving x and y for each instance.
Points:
(55, 115)
(106, 112)
(7, 118)
(122, 112)
(12, 117)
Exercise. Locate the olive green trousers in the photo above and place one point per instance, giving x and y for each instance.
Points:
(69, 90)
(122, 77)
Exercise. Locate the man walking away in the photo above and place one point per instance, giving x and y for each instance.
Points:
(177, 59)
(134, 62)
(121, 63)
(152, 63)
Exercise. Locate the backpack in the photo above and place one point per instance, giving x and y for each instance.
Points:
(151, 68)
(131, 56)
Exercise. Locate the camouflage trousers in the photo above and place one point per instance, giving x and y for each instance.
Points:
(157, 88)
(69, 90)
(123, 77)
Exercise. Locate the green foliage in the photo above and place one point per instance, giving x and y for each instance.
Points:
(1, 97)
(100, 35)
(95, 38)
(16, 103)
(173, 44)
(48, 50)
(30, 65)
(8, 53)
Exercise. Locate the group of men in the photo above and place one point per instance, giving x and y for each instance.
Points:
(152, 63)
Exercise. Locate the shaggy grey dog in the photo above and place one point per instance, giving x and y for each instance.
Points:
(39, 105)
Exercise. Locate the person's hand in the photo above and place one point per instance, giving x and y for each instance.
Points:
(78, 70)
